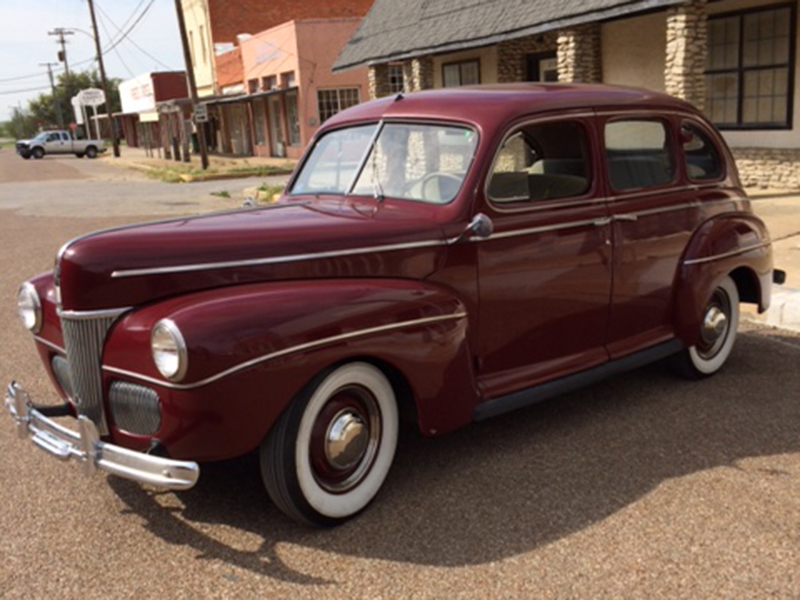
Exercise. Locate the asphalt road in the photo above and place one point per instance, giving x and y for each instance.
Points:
(644, 486)
(66, 186)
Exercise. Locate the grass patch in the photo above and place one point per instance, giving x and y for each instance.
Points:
(173, 173)
(267, 192)
(221, 194)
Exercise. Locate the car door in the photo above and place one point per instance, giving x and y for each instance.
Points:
(654, 213)
(53, 143)
(545, 272)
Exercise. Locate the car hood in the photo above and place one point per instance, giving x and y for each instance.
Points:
(300, 240)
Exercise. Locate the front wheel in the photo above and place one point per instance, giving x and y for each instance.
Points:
(38, 153)
(717, 334)
(328, 455)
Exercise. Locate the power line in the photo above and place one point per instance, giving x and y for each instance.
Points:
(31, 76)
(119, 56)
(138, 47)
(39, 89)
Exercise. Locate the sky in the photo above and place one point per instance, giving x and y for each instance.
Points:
(24, 42)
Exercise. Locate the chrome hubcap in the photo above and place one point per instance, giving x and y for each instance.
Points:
(715, 323)
(346, 440)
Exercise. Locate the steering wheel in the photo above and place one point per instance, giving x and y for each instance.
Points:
(440, 175)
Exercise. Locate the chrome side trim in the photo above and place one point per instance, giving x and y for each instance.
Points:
(50, 345)
(286, 351)
(542, 229)
(90, 315)
(697, 261)
(272, 260)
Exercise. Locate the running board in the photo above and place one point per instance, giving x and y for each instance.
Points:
(545, 391)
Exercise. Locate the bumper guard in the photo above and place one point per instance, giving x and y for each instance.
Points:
(85, 446)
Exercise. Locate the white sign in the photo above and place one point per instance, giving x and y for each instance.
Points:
(91, 97)
(77, 109)
(201, 113)
(137, 95)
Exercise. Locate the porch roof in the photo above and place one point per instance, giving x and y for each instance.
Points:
(401, 30)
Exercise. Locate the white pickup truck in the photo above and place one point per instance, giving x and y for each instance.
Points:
(58, 142)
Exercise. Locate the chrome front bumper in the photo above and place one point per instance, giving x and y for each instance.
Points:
(85, 446)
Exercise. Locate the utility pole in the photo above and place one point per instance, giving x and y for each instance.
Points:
(187, 58)
(114, 141)
(56, 103)
(61, 32)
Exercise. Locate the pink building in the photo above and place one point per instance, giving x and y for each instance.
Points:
(289, 86)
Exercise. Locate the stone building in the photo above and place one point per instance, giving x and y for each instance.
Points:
(734, 59)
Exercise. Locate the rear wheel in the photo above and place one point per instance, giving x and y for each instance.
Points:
(38, 153)
(79, 154)
(717, 334)
(328, 455)
(91, 152)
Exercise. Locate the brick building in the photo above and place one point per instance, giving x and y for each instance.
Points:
(736, 59)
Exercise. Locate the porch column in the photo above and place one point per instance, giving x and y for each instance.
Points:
(579, 58)
(418, 74)
(512, 55)
(687, 46)
(378, 76)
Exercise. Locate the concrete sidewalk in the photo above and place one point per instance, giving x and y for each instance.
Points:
(780, 210)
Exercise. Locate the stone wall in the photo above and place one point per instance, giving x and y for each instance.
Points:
(768, 167)
(418, 74)
(378, 81)
(579, 54)
(687, 38)
(511, 55)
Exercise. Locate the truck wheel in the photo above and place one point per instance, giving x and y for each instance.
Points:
(718, 334)
(91, 152)
(25, 155)
(79, 154)
(328, 455)
(38, 153)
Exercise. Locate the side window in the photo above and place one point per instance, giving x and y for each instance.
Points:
(53, 137)
(638, 154)
(703, 162)
(544, 161)
(65, 137)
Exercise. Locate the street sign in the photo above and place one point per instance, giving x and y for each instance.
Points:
(91, 97)
(201, 113)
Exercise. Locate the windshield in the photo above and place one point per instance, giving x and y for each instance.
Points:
(420, 162)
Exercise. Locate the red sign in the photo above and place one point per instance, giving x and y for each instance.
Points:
(73, 126)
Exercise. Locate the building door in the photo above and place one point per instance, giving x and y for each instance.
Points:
(275, 136)
(542, 66)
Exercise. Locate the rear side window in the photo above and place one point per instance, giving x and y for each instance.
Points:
(703, 162)
(544, 161)
(638, 154)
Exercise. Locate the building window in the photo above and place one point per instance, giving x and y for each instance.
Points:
(191, 46)
(259, 111)
(268, 83)
(293, 119)
(542, 67)
(287, 80)
(467, 72)
(331, 102)
(252, 86)
(750, 68)
(396, 81)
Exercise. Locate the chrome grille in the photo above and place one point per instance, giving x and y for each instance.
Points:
(84, 334)
(135, 408)
(62, 373)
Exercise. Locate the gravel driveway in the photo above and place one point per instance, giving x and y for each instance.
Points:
(644, 486)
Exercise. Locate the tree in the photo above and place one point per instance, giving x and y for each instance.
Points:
(21, 125)
(42, 110)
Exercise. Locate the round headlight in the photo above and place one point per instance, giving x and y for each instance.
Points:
(29, 308)
(169, 350)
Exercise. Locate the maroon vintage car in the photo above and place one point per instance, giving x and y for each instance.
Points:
(438, 258)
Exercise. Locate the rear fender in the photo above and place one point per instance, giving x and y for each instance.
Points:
(736, 245)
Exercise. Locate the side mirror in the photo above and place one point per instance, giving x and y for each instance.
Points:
(481, 226)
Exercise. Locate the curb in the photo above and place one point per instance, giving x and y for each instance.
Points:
(784, 311)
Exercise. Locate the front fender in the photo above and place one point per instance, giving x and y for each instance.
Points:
(736, 245)
(267, 341)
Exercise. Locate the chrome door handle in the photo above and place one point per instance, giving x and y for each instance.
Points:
(601, 222)
(630, 218)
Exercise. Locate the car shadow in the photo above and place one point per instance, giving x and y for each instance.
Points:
(506, 486)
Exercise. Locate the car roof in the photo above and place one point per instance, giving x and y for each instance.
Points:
(487, 105)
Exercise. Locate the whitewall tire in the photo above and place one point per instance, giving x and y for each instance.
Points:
(718, 334)
(328, 455)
